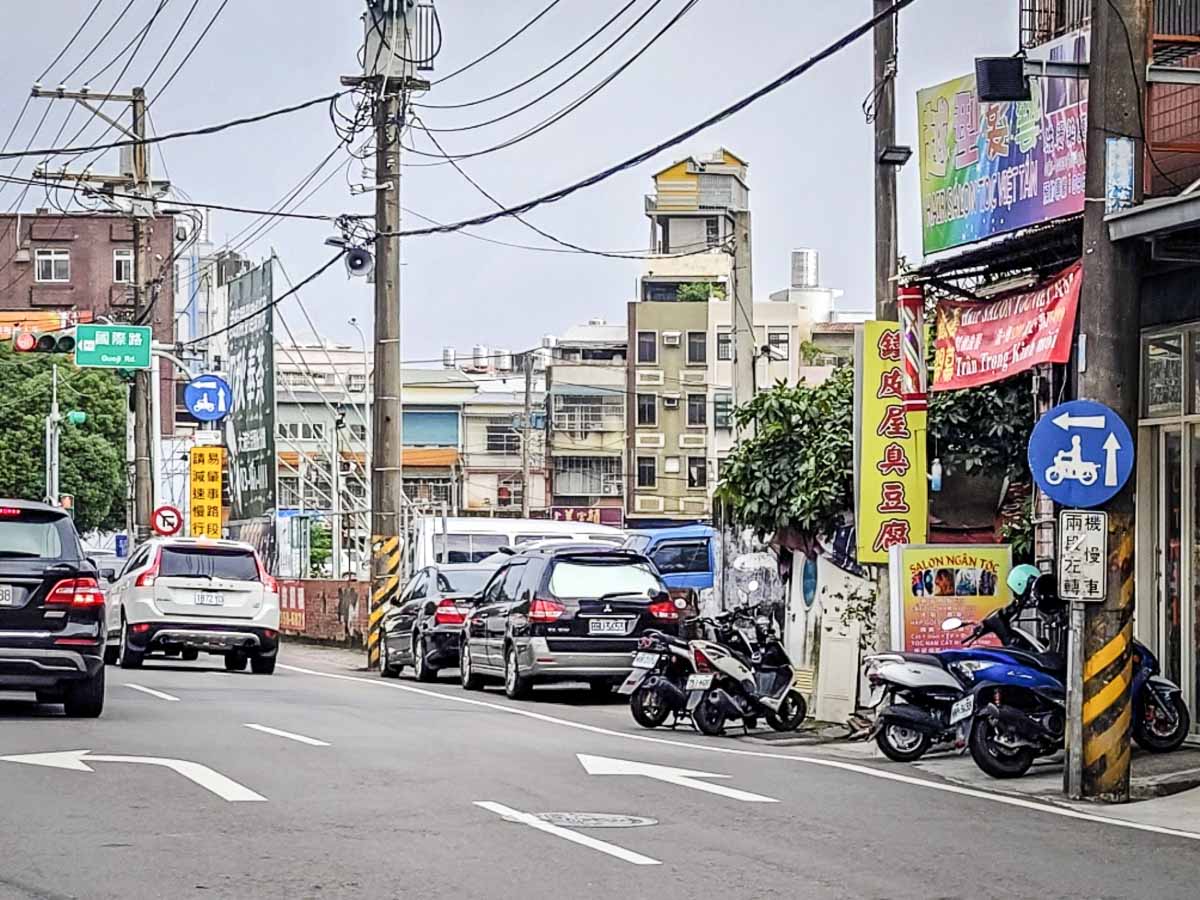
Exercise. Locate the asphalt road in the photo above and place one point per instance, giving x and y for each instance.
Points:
(374, 790)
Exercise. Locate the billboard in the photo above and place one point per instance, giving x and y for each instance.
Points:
(250, 428)
(978, 343)
(204, 494)
(992, 168)
(931, 583)
(891, 495)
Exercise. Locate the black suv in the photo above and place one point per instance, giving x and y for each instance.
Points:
(564, 614)
(51, 610)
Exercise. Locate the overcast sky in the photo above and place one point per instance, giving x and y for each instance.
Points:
(808, 145)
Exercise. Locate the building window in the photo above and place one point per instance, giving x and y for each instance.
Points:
(357, 383)
(725, 346)
(779, 346)
(656, 291)
(697, 409)
(1162, 374)
(723, 410)
(587, 476)
(697, 472)
(647, 472)
(697, 347)
(503, 438)
(289, 490)
(712, 231)
(647, 409)
(358, 432)
(53, 265)
(647, 346)
(123, 267)
(581, 413)
(510, 491)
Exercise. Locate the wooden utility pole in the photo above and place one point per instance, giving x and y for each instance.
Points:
(886, 255)
(1099, 710)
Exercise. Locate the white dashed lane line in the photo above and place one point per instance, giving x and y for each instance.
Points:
(291, 736)
(153, 693)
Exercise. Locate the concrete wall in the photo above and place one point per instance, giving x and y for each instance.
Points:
(332, 611)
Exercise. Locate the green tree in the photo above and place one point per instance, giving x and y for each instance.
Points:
(699, 292)
(320, 548)
(91, 455)
(983, 430)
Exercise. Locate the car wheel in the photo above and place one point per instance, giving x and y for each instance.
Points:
(466, 672)
(263, 665)
(421, 667)
(189, 654)
(386, 669)
(85, 699)
(112, 652)
(601, 687)
(235, 661)
(516, 685)
(128, 658)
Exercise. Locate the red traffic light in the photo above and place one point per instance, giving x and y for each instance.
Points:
(25, 342)
(29, 342)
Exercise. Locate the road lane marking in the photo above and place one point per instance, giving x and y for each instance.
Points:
(855, 768)
(515, 815)
(603, 765)
(153, 693)
(291, 736)
(210, 780)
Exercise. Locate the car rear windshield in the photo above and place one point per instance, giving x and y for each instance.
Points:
(465, 582)
(31, 533)
(208, 562)
(583, 577)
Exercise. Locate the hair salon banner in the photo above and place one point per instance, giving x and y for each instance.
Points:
(981, 342)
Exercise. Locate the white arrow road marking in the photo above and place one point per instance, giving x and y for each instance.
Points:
(602, 765)
(153, 693)
(1066, 421)
(515, 815)
(291, 736)
(1112, 445)
(77, 761)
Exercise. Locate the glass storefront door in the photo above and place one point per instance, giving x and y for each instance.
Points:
(1170, 546)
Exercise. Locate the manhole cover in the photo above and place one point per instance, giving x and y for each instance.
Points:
(595, 820)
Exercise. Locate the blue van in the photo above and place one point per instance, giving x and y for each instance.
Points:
(685, 555)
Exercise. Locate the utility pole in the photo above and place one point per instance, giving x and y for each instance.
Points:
(335, 476)
(140, 208)
(526, 434)
(1098, 711)
(53, 426)
(390, 75)
(745, 349)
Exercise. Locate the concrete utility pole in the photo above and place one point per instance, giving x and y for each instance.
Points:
(745, 349)
(338, 515)
(53, 427)
(885, 175)
(1099, 711)
(526, 435)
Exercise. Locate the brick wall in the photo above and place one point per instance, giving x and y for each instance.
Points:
(334, 611)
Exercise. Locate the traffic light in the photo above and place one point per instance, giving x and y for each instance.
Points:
(47, 342)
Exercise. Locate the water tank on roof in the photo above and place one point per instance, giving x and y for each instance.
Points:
(449, 358)
(549, 341)
(479, 356)
(806, 268)
(504, 361)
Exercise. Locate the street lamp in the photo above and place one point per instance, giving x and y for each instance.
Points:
(895, 155)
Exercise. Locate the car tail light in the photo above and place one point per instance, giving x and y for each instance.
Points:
(703, 664)
(270, 585)
(76, 642)
(77, 592)
(665, 609)
(140, 628)
(448, 613)
(543, 610)
(147, 578)
(269, 634)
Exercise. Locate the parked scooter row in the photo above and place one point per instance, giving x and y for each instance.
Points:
(1007, 703)
(739, 672)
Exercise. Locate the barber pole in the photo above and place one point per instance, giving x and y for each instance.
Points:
(911, 306)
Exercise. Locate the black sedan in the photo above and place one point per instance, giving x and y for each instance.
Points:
(423, 627)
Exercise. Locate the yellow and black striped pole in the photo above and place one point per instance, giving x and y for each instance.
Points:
(385, 581)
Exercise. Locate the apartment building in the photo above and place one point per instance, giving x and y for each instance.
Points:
(493, 432)
(586, 423)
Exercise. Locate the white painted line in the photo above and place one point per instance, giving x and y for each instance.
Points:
(291, 736)
(603, 765)
(77, 761)
(153, 693)
(868, 771)
(515, 815)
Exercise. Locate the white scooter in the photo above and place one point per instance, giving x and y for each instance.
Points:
(746, 675)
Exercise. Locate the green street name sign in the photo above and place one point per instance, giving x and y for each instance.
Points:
(113, 346)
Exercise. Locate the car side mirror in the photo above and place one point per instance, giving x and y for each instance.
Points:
(659, 596)
(430, 608)
(109, 575)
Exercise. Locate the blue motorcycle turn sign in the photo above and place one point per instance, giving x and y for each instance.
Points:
(1081, 454)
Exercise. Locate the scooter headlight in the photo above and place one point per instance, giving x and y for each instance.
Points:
(971, 667)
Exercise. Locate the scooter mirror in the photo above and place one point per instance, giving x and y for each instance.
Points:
(952, 624)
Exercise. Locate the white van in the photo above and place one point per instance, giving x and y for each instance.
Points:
(452, 539)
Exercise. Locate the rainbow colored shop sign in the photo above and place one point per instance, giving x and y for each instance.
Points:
(993, 168)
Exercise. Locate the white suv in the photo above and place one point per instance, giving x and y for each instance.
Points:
(180, 596)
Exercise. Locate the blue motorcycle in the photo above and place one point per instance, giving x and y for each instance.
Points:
(1160, 715)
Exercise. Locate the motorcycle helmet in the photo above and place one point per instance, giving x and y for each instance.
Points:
(1045, 594)
(1021, 578)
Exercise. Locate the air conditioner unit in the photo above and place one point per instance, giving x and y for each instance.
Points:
(670, 402)
(672, 338)
(612, 486)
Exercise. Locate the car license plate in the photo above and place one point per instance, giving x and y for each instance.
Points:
(209, 599)
(699, 682)
(606, 626)
(963, 709)
(645, 660)
(8, 596)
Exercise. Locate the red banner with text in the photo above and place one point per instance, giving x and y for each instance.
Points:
(978, 343)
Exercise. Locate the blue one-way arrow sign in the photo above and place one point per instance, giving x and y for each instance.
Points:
(1081, 453)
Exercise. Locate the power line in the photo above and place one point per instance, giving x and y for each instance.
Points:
(677, 139)
(473, 63)
(176, 135)
(96, 46)
(71, 42)
(195, 46)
